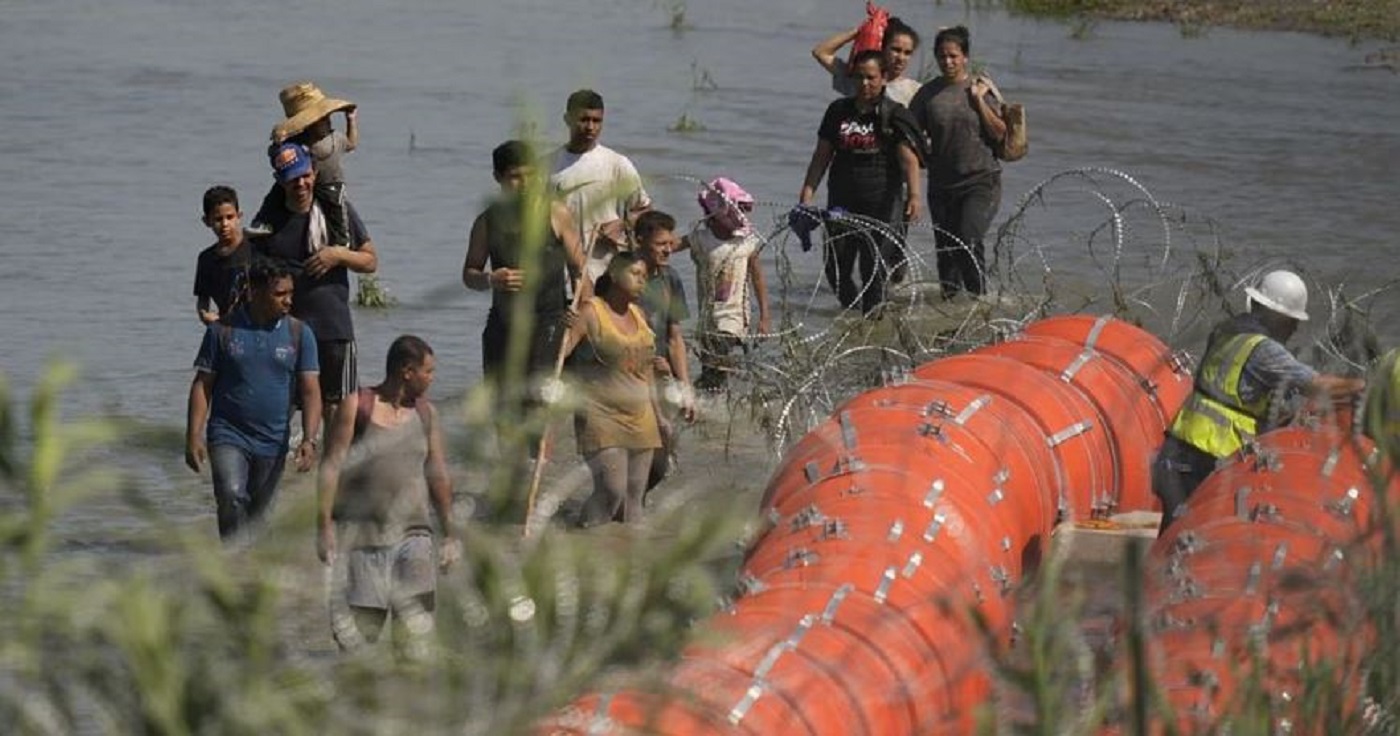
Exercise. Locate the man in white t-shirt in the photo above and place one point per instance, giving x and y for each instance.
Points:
(600, 186)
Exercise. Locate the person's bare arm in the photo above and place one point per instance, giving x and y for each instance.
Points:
(310, 386)
(564, 228)
(675, 353)
(1336, 387)
(578, 331)
(816, 170)
(474, 273)
(440, 489)
(196, 414)
(910, 161)
(338, 438)
(825, 52)
(991, 116)
(760, 293)
(352, 128)
(204, 307)
(680, 368)
(364, 259)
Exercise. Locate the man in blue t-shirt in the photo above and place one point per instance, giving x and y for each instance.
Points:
(248, 370)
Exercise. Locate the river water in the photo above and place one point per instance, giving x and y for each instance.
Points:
(116, 116)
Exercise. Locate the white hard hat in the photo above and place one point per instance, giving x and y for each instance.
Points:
(1283, 292)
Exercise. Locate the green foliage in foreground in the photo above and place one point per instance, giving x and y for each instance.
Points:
(205, 639)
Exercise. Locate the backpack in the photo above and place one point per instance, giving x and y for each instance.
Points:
(1014, 146)
(365, 407)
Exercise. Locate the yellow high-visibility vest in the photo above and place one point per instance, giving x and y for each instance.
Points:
(1214, 419)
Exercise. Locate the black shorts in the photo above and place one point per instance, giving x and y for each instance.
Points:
(545, 339)
(339, 369)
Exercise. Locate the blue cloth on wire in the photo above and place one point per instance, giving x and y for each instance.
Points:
(803, 220)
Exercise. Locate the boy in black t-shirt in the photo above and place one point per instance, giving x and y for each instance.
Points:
(221, 273)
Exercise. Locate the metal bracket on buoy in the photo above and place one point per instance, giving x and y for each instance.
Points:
(770, 660)
(1070, 432)
(1185, 590)
(851, 464)
(1205, 679)
(939, 407)
(935, 491)
(1002, 578)
(1096, 330)
(808, 516)
(1242, 502)
(848, 431)
(749, 584)
(931, 533)
(1264, 512)
(799, 558)
(1344, 505)
(896, 531)
(996, 496)
(837, 598)
(741, 709)
(1280, 554)
(1267, 461)
(1180, 362)
(834, 529)
(1167, 622)
(1251, 580)
(812, 472)
(972, 407)
(1330, 464)
(1067, 375)
(601, 723)
(912, 565)
(1186, 543)
(932, 431)
(882, 591)
(1333, 560)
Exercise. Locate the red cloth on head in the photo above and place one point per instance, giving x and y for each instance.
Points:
(871, 34)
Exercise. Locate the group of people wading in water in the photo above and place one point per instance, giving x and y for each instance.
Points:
(577, 261)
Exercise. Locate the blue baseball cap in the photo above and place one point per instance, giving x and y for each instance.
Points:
(290, 161)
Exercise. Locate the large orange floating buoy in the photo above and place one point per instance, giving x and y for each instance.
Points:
(1256, 578)
(895, 531)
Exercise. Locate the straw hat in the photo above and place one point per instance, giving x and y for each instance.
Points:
(304, 103)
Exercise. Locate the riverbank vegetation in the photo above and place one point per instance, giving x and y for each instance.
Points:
(1354, 19)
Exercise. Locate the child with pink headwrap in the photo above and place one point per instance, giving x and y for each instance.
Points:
(725, 249)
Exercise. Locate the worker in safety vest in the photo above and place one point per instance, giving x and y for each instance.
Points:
(1243, 386)
(1382, 407)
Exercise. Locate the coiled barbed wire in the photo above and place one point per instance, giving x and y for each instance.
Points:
(1153, 263)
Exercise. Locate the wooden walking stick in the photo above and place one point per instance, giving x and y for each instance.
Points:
(537, 473)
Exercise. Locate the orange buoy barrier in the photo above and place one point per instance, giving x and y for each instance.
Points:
(1255, 579)
(896, 531)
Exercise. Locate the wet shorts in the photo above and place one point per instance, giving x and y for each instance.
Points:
(339, 369)
(378, 577)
